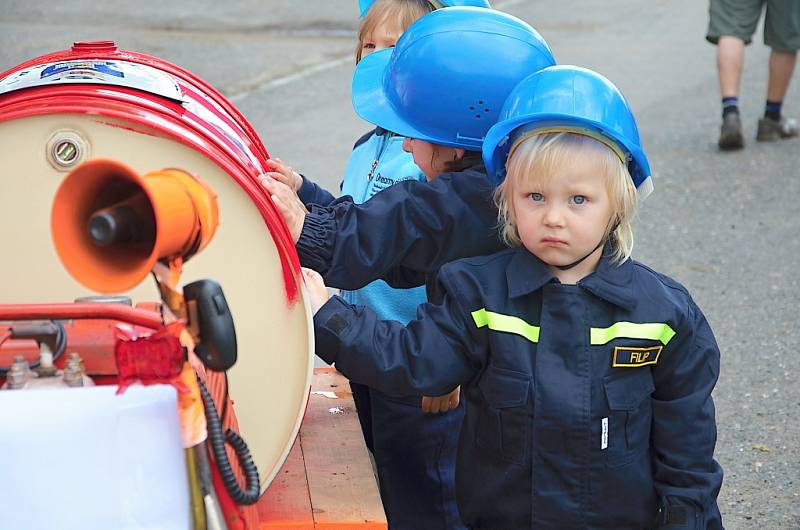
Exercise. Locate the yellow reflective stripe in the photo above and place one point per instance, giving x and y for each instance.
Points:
(629, 330)
(507, 323)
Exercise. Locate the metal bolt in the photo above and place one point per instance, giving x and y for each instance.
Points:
(73, 376)
(76, 358)
(73, 371)
(17, 375)
(65, 149)
(67, 152)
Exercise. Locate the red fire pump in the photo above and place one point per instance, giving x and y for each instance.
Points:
(127, 176)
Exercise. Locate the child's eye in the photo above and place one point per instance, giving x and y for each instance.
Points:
(369, 46)
(578, 199)
(536, 196)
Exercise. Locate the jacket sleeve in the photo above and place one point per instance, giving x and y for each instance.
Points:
(687, 477)
(416, 225)
(311, 193)
(432, 355)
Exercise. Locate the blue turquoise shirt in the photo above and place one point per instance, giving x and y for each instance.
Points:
(376, 163)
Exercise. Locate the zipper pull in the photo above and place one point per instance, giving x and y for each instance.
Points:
(372, 170)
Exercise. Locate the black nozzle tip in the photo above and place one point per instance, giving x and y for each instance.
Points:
(103, 229)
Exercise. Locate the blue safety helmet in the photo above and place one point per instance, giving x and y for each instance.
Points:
(570, 99)
(364, 5)
(446, 79)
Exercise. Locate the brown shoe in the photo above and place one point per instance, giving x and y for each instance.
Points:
(730, 135)
(770, 130)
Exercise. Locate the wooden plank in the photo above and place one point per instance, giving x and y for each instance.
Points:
(327, 482)
(286, 504)
(341, 482)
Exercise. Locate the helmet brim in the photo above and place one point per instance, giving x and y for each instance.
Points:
(370, 100)
(496, 147)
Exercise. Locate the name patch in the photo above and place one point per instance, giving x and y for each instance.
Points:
(627, 357)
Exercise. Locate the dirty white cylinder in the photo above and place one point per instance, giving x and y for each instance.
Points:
(85, 458)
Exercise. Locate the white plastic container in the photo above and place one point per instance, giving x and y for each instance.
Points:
(85, 458)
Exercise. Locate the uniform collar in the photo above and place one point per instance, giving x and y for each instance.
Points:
(613, 283)
(526, 273)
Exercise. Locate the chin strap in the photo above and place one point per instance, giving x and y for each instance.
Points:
(600, 244)
(574, 263)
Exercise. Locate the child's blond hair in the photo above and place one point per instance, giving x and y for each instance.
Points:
(536, 156)
(400, 12)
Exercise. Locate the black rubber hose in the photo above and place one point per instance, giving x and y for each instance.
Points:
(61, 346)
(217, 441)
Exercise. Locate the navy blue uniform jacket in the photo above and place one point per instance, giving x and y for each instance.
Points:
(588, 405)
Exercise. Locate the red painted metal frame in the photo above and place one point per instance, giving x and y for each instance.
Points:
(242, 156)
(82, 310)
(91, 331)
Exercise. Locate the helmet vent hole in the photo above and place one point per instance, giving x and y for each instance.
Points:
(477, 108)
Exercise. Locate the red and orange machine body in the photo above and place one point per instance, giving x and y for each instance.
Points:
(89, 128)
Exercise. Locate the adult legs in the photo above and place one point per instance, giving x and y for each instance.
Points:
(781, 68)
(773, 125)
(782, 35)
(730, 60)
(731, 26)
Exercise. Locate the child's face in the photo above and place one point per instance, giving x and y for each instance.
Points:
(384, 36)
(562, 217)
(430, 158)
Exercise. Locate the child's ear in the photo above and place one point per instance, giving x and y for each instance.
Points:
(459, 154)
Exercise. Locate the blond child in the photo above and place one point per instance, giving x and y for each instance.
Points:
(587, 376)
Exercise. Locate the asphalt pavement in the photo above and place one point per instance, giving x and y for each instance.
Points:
(724, 224)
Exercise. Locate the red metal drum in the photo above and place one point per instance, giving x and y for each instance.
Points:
(95, 101)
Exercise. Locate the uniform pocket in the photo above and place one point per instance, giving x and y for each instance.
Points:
(630, 415)
(504, 421)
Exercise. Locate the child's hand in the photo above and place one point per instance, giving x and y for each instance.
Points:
(288, 203)
(317, 292)
(284, 173)
(436, 405)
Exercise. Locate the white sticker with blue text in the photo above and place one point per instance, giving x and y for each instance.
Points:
(105, 72)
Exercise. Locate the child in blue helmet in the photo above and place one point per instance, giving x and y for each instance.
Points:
(443, 86)
(587, 376)
(413, 445)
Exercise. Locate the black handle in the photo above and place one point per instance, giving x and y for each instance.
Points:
(217, 344)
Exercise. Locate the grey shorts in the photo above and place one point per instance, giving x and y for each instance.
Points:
(739, 18)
